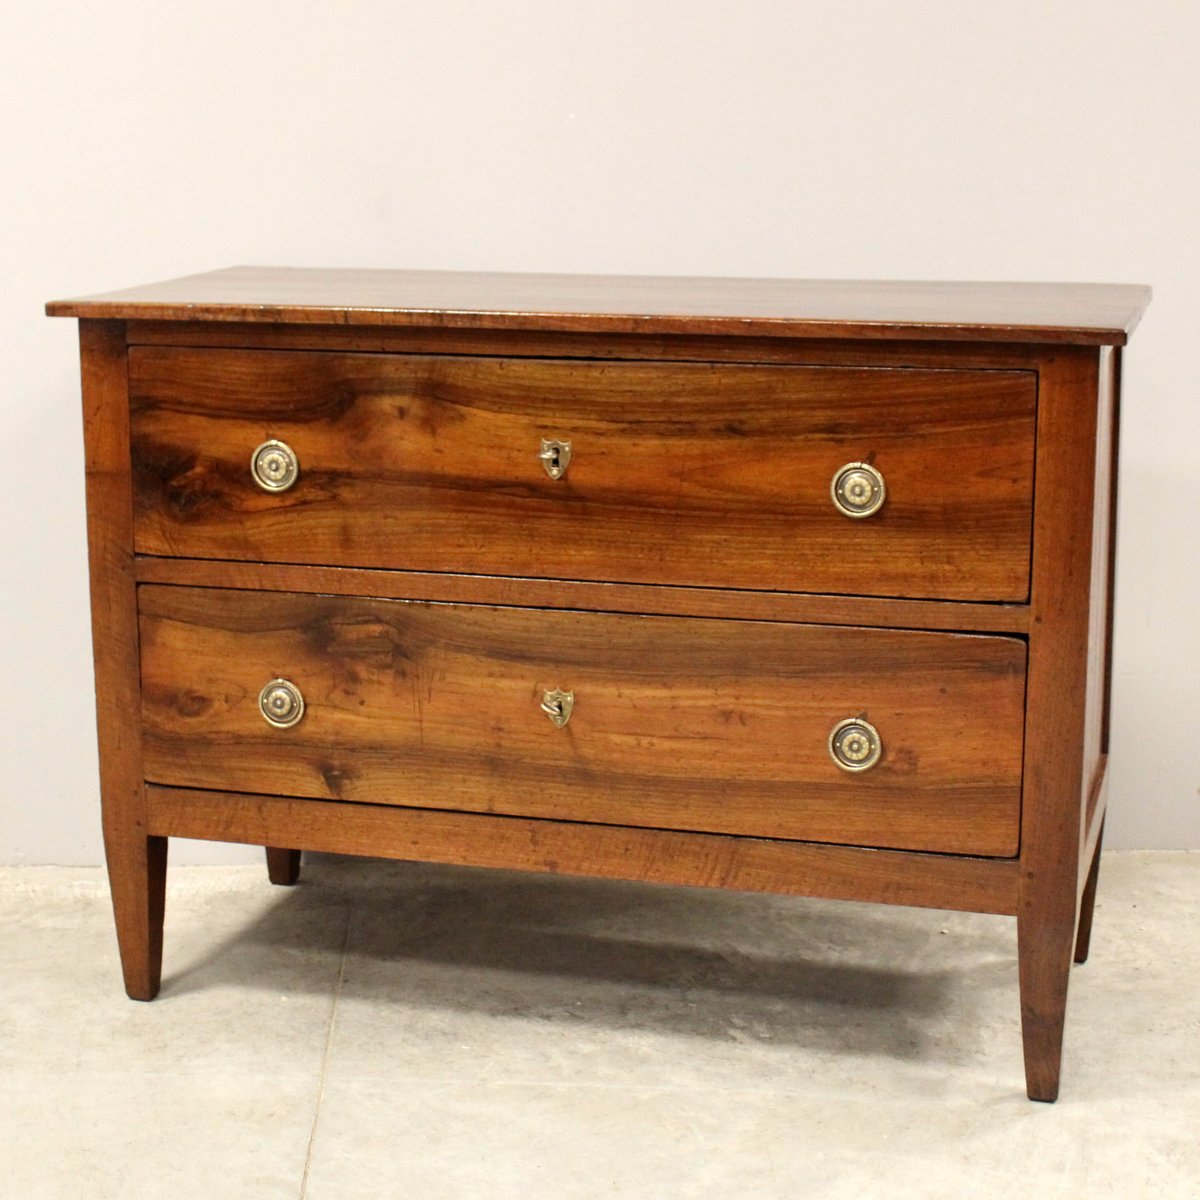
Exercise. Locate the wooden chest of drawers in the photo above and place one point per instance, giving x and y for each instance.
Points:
(767, 585)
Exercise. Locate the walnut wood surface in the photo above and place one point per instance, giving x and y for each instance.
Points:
(683, 724)
(957, 617)
(682, 474)
(1071, 448)
(1099, 588)
(1111, 368)
(548, 343)
(681, 718)
(137, 861)
(1093, 314)
(566, 848)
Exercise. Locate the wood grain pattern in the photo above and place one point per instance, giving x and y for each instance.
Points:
(707, 418)
(684, 724)
(686, 474)
(1055, 787)
(565, 848)
(1092, 314)
(137, 861)
(960, 617)
(544, 343)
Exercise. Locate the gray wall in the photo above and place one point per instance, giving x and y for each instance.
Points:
(1021, 140)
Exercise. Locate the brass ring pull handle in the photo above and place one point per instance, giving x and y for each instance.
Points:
(281, 703)
(274, 466)
(557, 706)
(858, 490)
(555, 456)
(855, 745)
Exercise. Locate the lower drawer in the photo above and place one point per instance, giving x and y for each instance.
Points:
(674, 723)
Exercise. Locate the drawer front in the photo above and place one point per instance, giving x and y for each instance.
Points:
(679, 723)
(692, 474)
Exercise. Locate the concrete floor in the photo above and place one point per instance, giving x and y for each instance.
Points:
(396, 1030)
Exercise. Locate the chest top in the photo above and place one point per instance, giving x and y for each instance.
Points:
(1056, 313)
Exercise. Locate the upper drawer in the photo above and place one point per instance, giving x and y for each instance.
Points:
(709, 475)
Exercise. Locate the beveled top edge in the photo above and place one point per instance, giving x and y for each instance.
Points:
(1063, 313)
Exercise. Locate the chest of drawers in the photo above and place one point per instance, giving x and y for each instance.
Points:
(768, 585)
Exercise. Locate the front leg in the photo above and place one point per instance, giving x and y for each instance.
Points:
(1045, 941)
(137, 875)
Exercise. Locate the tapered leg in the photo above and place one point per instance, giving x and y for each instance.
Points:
(1073, 423)
(283, 866)
(1084, 937)
(137, 874)
(137, 863)
(1044, 950)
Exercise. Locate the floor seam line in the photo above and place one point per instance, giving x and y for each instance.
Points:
(333, 1009)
